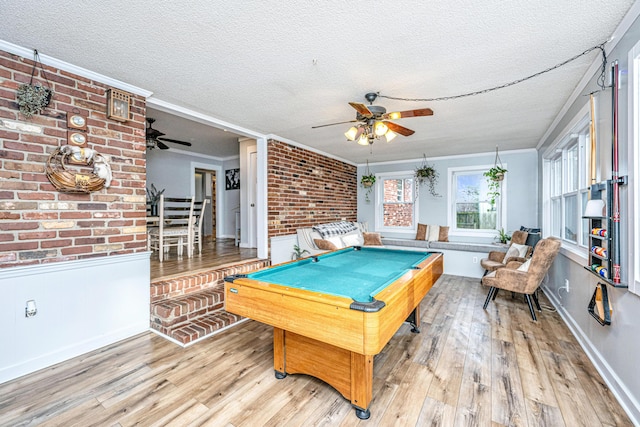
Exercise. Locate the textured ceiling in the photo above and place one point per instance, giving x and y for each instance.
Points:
(281, 67)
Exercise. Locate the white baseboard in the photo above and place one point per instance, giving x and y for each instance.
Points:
(615, 384)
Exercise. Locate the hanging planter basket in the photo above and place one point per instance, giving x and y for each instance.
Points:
(367, 181)
(495, 176)
(427, 174)
(34, 98)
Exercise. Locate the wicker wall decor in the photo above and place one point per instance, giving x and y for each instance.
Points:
(69, 181)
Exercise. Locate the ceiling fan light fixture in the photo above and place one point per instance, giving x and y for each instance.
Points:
(395, 115)
(364, 139)
(380, 128)
(389, 135)
(351, 133)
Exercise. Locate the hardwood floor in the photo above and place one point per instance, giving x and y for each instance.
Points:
(214, 253)
(468, 367)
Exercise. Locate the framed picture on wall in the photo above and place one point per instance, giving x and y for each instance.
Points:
(232, 179)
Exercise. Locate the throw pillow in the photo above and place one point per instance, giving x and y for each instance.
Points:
(421, 234)
(352, 239)
(325, 245)
(433, 233)
(372, 239)
(337, 241)
(525, 265)
(443, 236)
(522, 249)
(511, 252)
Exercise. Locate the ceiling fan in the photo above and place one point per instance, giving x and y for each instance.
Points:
(373, 122)
(154, 139)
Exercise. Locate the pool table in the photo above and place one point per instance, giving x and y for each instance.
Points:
(332, 313)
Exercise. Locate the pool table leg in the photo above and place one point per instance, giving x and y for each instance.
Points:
(278, 353)
(414, 320)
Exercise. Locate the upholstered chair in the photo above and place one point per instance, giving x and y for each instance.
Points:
(496, 259)
(527, 277)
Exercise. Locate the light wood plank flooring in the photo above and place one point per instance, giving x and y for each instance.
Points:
(468, 367)
(214, 253)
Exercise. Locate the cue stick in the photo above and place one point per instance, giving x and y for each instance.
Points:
(615, 251)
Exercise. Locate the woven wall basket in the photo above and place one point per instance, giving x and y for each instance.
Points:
(69, 181)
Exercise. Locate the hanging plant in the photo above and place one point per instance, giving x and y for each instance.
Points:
(367, 180)
(33, 98)
(427, 174)
(495, 176)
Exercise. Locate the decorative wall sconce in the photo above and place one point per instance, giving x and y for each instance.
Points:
(118, 105)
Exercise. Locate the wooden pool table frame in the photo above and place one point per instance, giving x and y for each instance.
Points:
(320, 335)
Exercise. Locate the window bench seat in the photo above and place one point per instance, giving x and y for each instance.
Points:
(460, 258)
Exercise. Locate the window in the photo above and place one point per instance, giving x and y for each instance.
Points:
(567, 184)
(395, 207)
(470, 208)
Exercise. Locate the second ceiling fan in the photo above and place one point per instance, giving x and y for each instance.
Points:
(373, 122)
(155, 140)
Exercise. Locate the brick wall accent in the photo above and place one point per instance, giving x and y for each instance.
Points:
(38, 224)
(307, 188)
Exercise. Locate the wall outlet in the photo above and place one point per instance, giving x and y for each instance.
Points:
(475, 259)
(566, 284)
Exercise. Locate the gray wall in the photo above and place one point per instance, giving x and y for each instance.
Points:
(614, 349)
(521, 189)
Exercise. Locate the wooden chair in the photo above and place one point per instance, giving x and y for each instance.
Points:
(516, 278)
(198, 217)
(174, 226)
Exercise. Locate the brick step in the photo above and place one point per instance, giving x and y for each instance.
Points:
(203, 326)
(190, 307)
(175, 311)
(193, 316)
(165, 288)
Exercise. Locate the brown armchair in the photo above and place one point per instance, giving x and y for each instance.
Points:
(495, 259)
(524, 281)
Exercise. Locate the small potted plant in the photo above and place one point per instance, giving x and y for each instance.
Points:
(153, 195)
(503, 237)
(427, 174)
(298, 252)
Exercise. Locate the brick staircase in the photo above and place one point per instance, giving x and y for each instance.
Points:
(189, 307)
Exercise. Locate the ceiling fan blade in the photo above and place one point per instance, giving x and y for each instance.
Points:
(175, 141)
(331, 124)
(362, 109)
(409, 113)
(399, 129)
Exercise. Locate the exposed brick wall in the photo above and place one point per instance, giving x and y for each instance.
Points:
(38, 224)
(306, 188)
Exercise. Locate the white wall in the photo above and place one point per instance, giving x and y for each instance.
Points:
(521, 189)
(82, 305)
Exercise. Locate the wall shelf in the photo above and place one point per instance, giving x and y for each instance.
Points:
(601, 237)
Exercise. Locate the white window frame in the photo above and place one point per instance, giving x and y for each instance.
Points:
(379, 202)
(634, 167)
(501, 222)
(576, 250)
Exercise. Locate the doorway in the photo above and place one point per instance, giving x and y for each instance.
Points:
(205, 188)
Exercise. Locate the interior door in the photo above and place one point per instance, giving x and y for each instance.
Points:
(253, 181)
